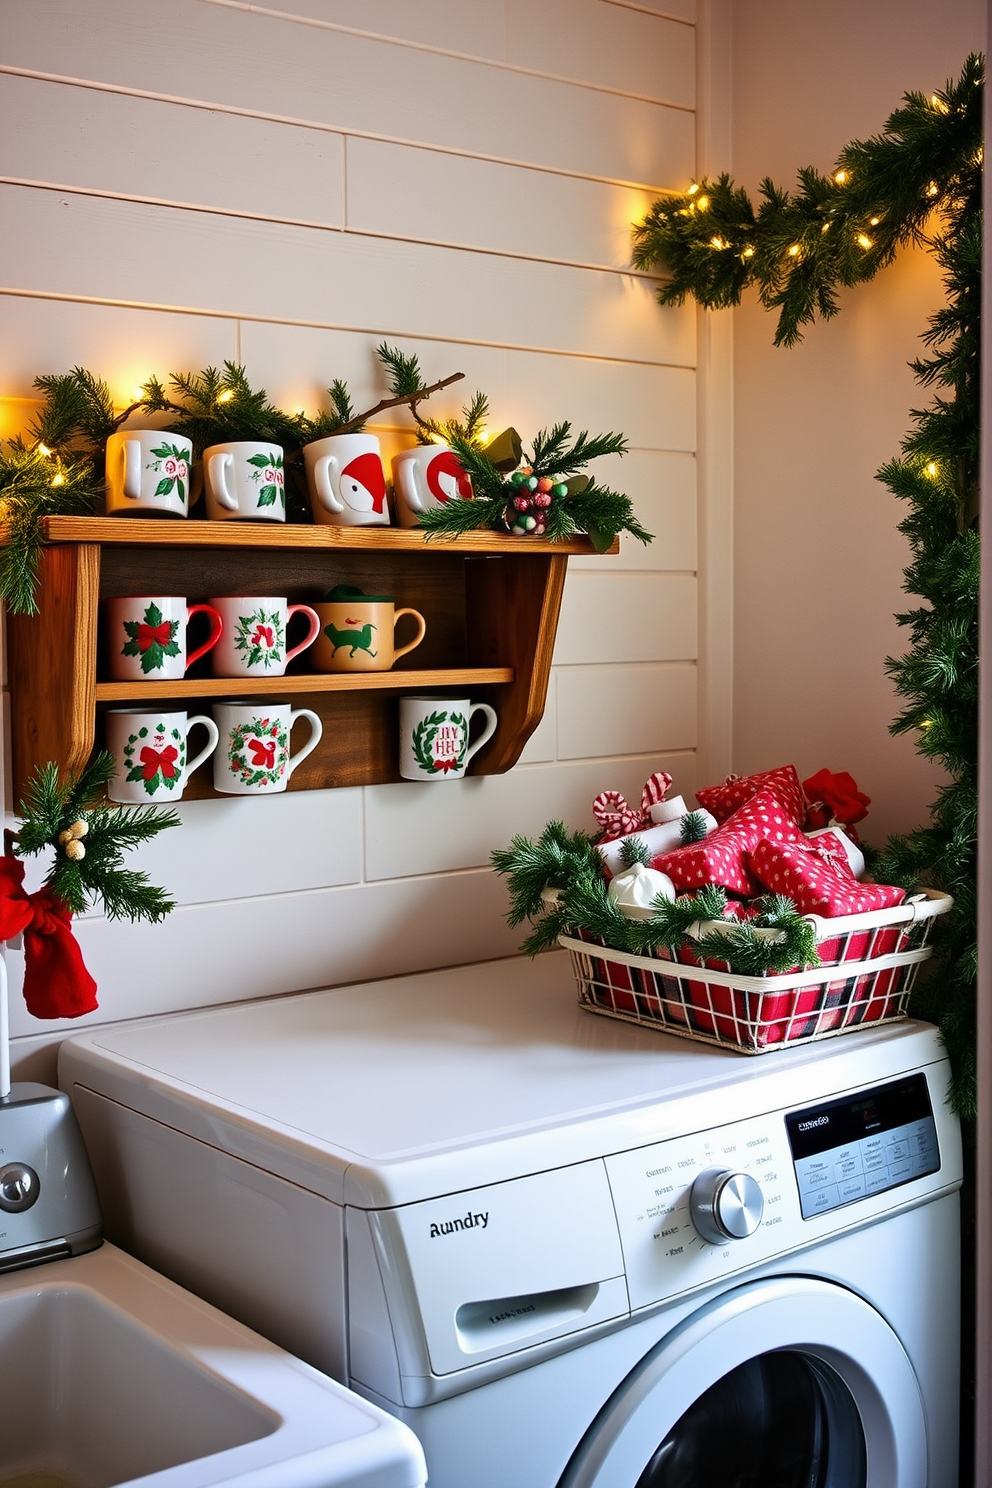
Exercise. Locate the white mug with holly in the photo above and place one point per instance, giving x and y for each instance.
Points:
(254, 640)
(148, 473)
(346, 481)
(426, 477)
(152, 754)
(253, 758)
(434, 736)
(244, 479)
(146, 637)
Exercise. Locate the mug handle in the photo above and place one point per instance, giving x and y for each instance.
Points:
(421, 632)
(316, 730)
(217, 630)
(213, 737)
(322, 483)
(487, 732)
(406, 473)
(131, 460)
(311, 636)
(215, 474)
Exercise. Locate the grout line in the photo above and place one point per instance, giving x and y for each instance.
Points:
(105, 194)
(318, 125)
(420, 46)
(663, 15)
(62, 297)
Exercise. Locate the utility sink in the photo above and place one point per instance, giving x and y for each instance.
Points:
(110, 1374)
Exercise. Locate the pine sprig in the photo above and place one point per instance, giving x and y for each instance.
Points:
(557, 859)
(54, 809)
(468, 428)
(692, 828)
(402, 371)
(34, 486)
(221, 405)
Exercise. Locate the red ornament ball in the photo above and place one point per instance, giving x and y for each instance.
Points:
(542, 499)
(521, 503)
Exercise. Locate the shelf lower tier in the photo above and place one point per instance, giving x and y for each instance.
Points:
(226, 687)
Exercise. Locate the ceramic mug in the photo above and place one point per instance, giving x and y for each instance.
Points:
(146, 637)
(434, 736)
(346, 481)
(425, 477)
(148, 473)
(254, 758)
(356, 631)
(244, 479)
(150, 751)
(254, 639)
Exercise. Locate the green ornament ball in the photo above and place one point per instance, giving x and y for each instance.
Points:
(517, 478)
(532, 483)
(560, 489)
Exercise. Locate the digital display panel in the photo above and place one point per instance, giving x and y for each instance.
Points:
(849, 1149)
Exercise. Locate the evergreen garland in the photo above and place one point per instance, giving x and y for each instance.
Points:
(89, 841)
(919, 181)
(37, 483)
(577, 503)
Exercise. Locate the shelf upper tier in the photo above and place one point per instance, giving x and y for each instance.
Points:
(140, 531)
(300, 682)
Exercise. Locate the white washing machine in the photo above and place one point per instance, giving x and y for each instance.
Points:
(568, 1252)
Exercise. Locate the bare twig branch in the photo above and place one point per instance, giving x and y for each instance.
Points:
(410, 398)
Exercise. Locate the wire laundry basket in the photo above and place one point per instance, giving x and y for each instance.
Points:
(869, 963)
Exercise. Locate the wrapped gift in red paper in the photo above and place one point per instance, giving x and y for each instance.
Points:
(723, 857)
(817, 880)
(723, 800)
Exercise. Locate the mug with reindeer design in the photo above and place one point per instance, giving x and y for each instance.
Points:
(357, 629)
(253, 757)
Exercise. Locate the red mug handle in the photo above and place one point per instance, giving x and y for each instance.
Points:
(216, 632)
(311, 635)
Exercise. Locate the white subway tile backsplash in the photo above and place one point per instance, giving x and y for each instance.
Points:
(608, 617)
(247, 60)
(655, 407)
(244, 847)
(264, 169)
(440, 825)
(635, 709)
(277, 272)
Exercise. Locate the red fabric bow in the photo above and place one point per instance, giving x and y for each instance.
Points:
(263, 636)
(446, 764)
(617, 819)
(263, 753)
(151, 635)
(154, 760)
(56, 982)
(834, 798)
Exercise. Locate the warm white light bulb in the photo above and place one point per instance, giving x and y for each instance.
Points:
(932, 468)
(693, 188)
(864, 240)
(225, 396)
(841, 177)
(44, 450)
(58, 479)
(794, 251)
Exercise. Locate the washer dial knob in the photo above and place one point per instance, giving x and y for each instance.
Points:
(19, 1187)
(725, 1205)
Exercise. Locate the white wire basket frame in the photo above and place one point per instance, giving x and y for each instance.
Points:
(870, 964)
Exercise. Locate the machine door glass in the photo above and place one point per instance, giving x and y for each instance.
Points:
(789, 1382)
(781, 1420)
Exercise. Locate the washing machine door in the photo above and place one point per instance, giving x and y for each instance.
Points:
(787, 1383)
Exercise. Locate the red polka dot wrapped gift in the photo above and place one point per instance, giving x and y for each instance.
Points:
(818, 880)
(724, 857)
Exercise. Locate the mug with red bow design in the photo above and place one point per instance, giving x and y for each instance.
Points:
(254, 643)
(151, 753)
(346, 481)
(254, 758)
(146, 637)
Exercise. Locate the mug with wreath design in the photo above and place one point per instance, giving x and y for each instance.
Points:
(151, 753)
(254, 758)
(146, 637)
(434, 736)
(254, 639)
(148, 473)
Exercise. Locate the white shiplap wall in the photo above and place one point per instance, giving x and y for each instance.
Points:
(186, 182)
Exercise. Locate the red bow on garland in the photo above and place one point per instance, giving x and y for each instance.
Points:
(56, 982)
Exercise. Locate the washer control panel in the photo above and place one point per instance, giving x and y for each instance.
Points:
(695, 1208)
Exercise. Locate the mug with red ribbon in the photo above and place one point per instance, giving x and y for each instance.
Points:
(254, 757)
(434, 736)
(151, 753)
(146, 637)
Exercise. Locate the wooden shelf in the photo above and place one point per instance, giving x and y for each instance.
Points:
(138, 531)
(491, 602)
(301, 682)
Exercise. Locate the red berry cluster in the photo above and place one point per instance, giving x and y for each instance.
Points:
(525, 514)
